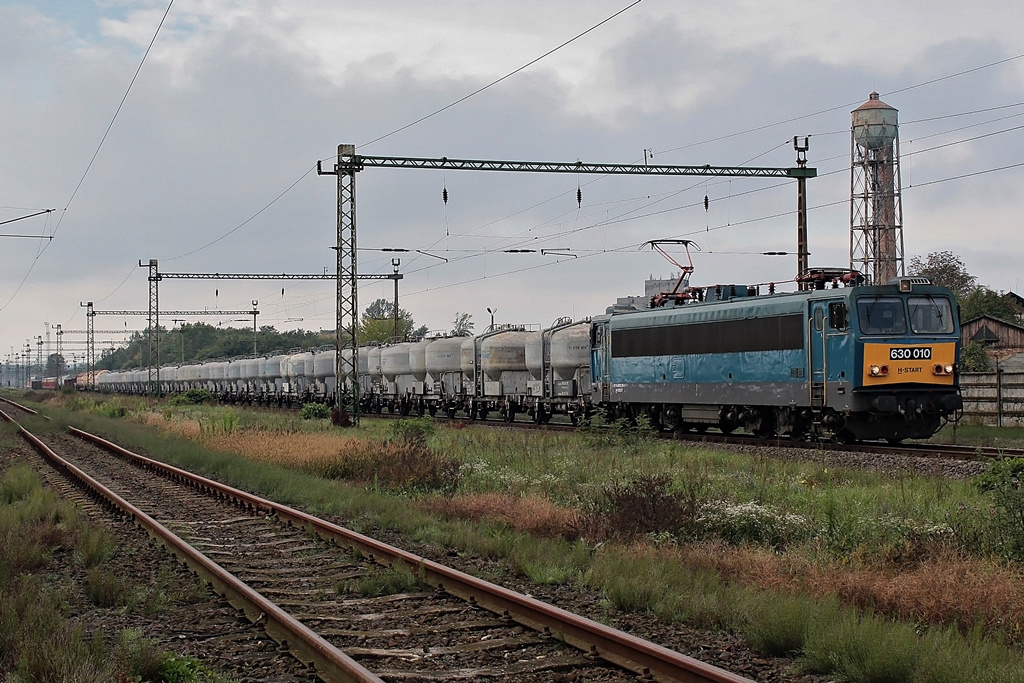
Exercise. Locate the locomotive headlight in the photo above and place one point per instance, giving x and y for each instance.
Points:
(874, 370)
(949, 369)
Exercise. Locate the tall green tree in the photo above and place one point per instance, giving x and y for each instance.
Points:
(946, 269)
(462, 326)
(377, 324)
(983, 301)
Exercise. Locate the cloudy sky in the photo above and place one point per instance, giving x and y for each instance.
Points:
(209, 164)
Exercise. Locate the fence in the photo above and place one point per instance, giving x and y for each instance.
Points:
(993, 398)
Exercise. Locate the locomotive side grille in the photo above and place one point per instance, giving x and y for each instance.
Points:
(777, 333)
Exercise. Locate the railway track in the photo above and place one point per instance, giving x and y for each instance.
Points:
(969, 453)
(294, 574)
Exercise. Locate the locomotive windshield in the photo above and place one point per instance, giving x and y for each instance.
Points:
(930, 315)
(881, 315)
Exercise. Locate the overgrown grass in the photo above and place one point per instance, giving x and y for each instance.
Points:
(774, 550)
(38, 640)
(391, 581)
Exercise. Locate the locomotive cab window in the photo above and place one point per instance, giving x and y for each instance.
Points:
(930, 315)
(819, 319)
(881, 315)
(837, 315)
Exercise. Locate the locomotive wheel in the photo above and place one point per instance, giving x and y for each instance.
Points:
(670, 419)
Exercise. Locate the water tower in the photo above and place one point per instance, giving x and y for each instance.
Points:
(876, 213)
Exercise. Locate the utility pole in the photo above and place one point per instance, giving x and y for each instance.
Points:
(60, 354)
(349, 163)
(255, 313)
(39, 357)
(801, 213)
(181, 333)
(395, 263)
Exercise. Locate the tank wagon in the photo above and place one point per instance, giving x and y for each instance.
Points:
(852, 362)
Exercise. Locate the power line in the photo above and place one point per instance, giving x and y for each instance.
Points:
(410, 125)
(91, 161)
(21, 218)
(506, 76)
(843, 106)
(246, 221)
(114, 117)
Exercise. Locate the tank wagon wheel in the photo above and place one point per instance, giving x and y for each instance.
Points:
(451, 412)
(538, 414)
(432, 409)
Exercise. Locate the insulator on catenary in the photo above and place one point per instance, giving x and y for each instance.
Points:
(444, 195)
(579, 197)
(706, 202)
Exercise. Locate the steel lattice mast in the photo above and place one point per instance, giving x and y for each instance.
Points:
(349, 163)
(153, 313)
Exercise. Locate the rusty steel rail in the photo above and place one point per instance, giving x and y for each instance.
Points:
(635, 654)
(329, 663)
(19, 407)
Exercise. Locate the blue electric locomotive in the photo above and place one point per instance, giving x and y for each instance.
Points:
(859, 362)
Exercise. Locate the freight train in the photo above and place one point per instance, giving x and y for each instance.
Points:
(839, 360)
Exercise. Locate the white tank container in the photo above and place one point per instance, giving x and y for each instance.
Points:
(467, 358)
(418, 359)
(535, 356)
(272, 369)
(394, 361)
(294, 367)
(504, 352)
(443, 356)
(570, 350)
(323, 364)
(251, 369)
(373, 362)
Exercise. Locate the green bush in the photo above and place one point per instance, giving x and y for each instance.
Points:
(315, 411)
(192, 397)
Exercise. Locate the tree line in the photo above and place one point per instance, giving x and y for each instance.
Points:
(197, 342)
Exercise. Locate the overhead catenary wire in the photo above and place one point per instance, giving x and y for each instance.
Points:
(505, 77)
(95, 154)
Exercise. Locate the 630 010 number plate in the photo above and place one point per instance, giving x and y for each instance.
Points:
(912, 353)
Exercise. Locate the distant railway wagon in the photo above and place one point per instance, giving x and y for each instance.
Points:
(850, 362)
